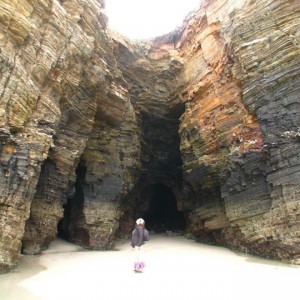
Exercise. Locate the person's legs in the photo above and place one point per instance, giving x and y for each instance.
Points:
(139, 264)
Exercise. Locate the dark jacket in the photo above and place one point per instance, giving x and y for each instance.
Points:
(137, 236)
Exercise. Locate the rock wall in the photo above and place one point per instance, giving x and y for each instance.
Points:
(240, 130)
(91, 122)
(267, 46)
(62, 105)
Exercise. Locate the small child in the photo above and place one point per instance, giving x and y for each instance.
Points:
(137, 241)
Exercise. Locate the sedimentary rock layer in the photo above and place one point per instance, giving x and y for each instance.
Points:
(240, 131)
(62, 105)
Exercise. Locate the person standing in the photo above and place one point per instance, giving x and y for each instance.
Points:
(137, 241)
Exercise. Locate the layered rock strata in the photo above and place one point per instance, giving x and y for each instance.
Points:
(62, 105)
(240, 131)
(91, 123)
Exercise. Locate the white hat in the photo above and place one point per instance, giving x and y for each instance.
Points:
(140, 221)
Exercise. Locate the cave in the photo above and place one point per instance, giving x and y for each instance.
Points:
(66, 227)
(162, 214)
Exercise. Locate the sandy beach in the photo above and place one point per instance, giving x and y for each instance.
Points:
(177, 268)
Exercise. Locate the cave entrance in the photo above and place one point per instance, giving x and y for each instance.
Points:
(162, 213)
(73, 211)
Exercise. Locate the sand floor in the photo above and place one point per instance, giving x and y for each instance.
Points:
(177, 268)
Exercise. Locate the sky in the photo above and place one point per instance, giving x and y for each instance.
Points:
(141, 19)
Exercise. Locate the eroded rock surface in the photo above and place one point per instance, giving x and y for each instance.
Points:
(63, 108)
(94, 127)
(239, 132)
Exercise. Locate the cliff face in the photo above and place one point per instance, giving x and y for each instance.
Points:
(196, 130)
(240, 130)
(68, 129)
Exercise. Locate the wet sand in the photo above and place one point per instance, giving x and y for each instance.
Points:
(177, 268)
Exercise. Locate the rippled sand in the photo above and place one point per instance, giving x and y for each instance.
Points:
(177, 268)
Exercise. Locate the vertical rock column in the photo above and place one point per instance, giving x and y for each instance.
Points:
(108, 169)
(70, 50)
(85, 70)
(26, 130)
(19, 171)
(52, 79)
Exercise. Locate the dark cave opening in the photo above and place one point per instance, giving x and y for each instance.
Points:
(162, 214)
(74, 205)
